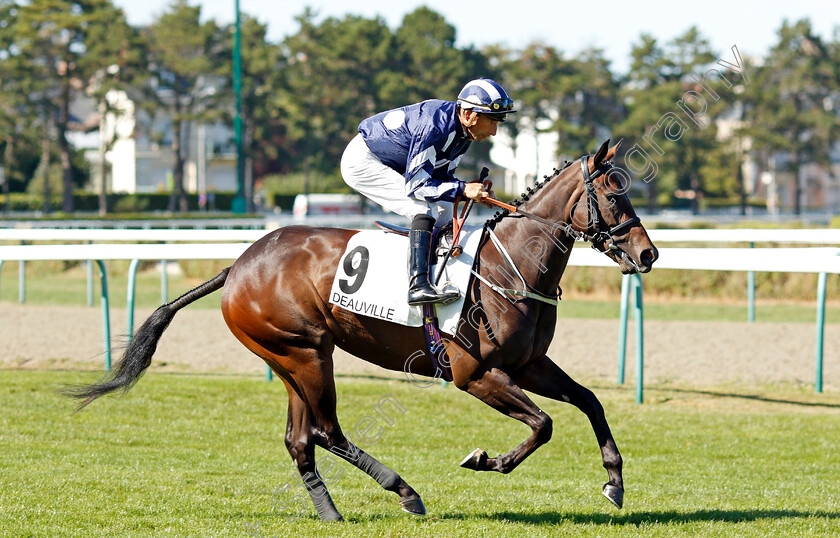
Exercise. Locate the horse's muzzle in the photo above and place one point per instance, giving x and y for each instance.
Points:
(631, 263)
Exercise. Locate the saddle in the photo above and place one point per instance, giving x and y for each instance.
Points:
(442, 247)
(441, 237)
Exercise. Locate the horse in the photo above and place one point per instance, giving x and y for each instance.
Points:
(275, 300)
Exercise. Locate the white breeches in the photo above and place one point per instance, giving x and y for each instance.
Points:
(364, 172)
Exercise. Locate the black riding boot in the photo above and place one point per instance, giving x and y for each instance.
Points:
(420, 290)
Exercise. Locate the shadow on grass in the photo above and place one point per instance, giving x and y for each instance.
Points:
(756, 398)
(635, 519)
(646, 518)
(760, 398)
(717, 394)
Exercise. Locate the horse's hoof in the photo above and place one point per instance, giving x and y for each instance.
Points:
(475, 460)
(414, 506)
(614, 494)
(331, 516)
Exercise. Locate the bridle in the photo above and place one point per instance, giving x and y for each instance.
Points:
(602, 234)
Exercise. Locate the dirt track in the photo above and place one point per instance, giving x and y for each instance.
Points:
(694, 353)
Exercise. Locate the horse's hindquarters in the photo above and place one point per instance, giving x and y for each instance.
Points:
(274, 300)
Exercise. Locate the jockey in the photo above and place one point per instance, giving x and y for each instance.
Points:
(404, 160)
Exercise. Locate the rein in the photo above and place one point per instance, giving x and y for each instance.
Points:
(602, 235)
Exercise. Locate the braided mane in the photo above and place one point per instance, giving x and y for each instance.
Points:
(525, 196)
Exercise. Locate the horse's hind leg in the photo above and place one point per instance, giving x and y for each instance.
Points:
(545, 378)
(329, 436)
(300, 442)
(313, 383)
(410, 500)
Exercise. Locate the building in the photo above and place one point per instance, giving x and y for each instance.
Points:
(138, 150)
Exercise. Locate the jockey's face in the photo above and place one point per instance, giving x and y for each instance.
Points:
(479, 126)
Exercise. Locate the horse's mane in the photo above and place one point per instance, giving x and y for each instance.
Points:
(525, 196)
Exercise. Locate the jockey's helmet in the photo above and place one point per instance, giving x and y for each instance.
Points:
(486, 97)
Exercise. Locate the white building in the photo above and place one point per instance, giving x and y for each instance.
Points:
(141, 160)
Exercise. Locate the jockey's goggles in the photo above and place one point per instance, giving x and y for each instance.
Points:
(497, 106)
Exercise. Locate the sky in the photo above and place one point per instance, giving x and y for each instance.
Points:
(613, 26)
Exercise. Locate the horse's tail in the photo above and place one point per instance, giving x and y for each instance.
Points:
(138, 354)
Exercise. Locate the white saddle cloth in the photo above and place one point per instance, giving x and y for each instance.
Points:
(372, 278)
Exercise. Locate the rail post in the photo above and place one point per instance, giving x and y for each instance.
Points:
(130, 296)
(751, 292)
(821, 285)
(638, 317)
(622, 326)
(106, 318)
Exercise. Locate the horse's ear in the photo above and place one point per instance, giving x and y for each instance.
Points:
(600, 154)
(613, 150)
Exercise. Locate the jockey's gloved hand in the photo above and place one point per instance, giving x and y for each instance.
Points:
(475, 191)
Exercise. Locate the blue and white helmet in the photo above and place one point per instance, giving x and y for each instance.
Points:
(487, 97)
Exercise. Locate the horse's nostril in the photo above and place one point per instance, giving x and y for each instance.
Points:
(648, 256)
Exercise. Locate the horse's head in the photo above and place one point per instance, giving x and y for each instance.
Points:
(602, 212)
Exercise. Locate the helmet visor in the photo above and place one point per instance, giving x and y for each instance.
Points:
(497, 106)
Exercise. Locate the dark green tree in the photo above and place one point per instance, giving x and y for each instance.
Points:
(329, 82)
(577, 98)
(430, 65)
(187, 61)
(264, 131)
(790, 108)
(671, 112)
(48, 54)
(115, 59)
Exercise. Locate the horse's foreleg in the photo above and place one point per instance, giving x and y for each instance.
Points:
(545, 378)
(497, 390)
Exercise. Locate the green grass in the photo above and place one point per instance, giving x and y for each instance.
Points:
(184, 455)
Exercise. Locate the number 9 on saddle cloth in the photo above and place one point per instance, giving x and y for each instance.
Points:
(371, 279)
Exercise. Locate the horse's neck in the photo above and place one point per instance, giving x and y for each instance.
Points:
(539, 251)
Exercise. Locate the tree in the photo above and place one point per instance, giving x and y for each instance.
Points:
(263, 130)
(788, 109)
(670, 119)
(337, 72)
(534, 77)
(330, 82)
(187, 61)
(590, 104)
(48, 55)
(11, 101)
(428, 64)
(577, 98)
(115, 60)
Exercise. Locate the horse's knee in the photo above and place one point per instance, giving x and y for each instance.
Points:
(544, 428)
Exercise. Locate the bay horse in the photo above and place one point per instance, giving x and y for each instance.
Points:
(276, 302)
